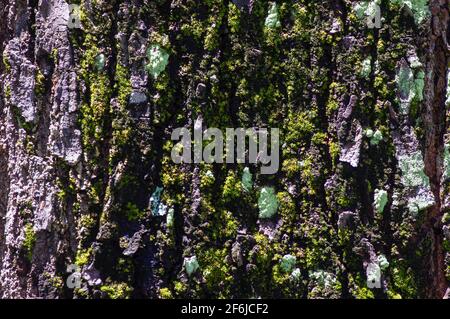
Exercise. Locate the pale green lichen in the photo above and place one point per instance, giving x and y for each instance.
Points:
(413, 170)
(414, 61)
(419, 85)
(156, 206)
(287, 263)
(191, 265)
(170, 217)
(247, 179)
(100, 62)
(413, 175)
(296, 274)
(447, 102)
(366, 8)
(410, 87)
(273, 19)
(447, 161)
(376, 138)
(158, 60)
(419, 8)
(366, 67)
(267, 202)
(380, 200)
(383, 262)
(323, 278)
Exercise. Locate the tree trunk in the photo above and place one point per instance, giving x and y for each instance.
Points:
(88, 105)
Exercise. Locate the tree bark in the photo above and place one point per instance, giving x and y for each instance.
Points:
(85, 146)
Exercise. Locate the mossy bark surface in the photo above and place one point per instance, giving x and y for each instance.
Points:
(87, 179)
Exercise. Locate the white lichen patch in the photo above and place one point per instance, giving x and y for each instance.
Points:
(366, 67)
(373, 273)
(420, 202)
(414, 178)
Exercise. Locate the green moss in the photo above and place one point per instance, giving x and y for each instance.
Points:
(280, 278)
(29, 240)
(232, 189)
(363, 293)
(133, 212)
(87, 221)
(234, 18)
(56, 282)
(165, 293)
(117, 290)
(216, 271)
(404, 281)
(93, 114)
(179, 288)
(39, 83)
(267, 202)
(54, 55)
(83, 256)
(121, 123)
(6, 63)
(7, 91)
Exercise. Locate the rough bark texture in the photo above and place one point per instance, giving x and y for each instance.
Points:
(363, 113)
